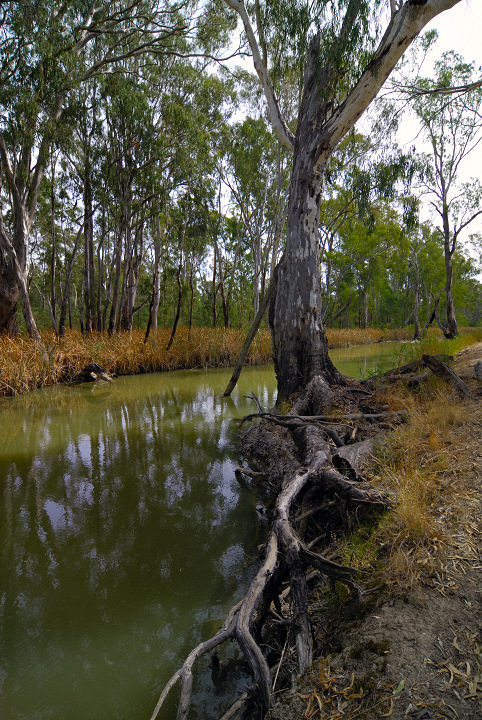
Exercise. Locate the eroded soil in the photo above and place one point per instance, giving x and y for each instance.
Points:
(417, 653)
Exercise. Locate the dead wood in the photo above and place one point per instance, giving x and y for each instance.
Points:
(398, 374)
(249, 339)
(235, 708)
(318, 481)
(314, 510)
(478, 370)
(408, 374)
(410, 381)
(255, 399)
(358, 492)
(405, 369)
(432, 316)
(311, 419)
(351, 457)
(92, 373)
(297, 424)
(357, 389)
(443, 371)
(185, 672)
(273, 450)
(254, 474)
(332, 433)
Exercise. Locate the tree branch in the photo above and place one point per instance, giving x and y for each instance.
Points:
(402, 29)
(280, 127)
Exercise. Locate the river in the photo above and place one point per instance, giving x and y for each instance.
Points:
(124, 538)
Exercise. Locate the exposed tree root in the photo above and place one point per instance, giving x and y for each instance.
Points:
(310, 458)
(303, 420)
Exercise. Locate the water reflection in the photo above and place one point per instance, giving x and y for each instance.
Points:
(363, 360)
(124, 535)
(124, 538)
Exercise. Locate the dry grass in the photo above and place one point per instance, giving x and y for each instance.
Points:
(425, 465)
(22, 367)
(335, 697)
(428, 463)
(432, 537)
(356, 336)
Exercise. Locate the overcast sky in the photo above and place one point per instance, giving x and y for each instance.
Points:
(460, 29)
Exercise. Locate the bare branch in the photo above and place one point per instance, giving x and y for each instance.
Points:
(280, 127)
(416, 91)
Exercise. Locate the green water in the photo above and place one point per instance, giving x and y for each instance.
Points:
(124, 538)
(363, 360)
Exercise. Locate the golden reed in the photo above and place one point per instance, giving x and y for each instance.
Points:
(24, 368)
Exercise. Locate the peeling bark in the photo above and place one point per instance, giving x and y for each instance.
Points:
(300, 347)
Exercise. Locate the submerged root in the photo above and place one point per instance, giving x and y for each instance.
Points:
(306, 465)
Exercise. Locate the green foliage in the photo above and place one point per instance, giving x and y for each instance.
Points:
(155, 139)
(348, 38)
(435, 344)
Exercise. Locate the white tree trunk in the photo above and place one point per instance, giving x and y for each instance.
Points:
(300, 348)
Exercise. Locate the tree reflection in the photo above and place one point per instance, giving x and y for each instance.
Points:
(121, 527)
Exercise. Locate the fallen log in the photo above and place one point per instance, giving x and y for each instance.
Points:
(409, 374)
(443, 371)
(410, 381)
(92, 373)
(247, 343)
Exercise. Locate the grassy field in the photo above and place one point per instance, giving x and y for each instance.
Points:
(24, 368)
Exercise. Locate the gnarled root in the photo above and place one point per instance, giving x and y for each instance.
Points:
(296, 454)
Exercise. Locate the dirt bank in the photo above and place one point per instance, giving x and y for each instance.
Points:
(417, 652)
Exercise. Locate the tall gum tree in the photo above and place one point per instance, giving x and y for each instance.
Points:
(345, 63)
(448, 109)
(46, 50)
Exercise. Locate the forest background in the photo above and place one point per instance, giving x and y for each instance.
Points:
(151, 191)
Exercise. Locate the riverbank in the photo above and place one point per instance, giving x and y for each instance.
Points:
(23, 367)
(414, 650)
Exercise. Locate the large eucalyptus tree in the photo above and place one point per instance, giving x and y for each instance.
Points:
(343, 56)
(46, 50)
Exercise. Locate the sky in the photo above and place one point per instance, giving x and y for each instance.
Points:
(460, 29)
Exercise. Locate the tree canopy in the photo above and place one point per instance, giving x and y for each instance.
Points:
(115, 118)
